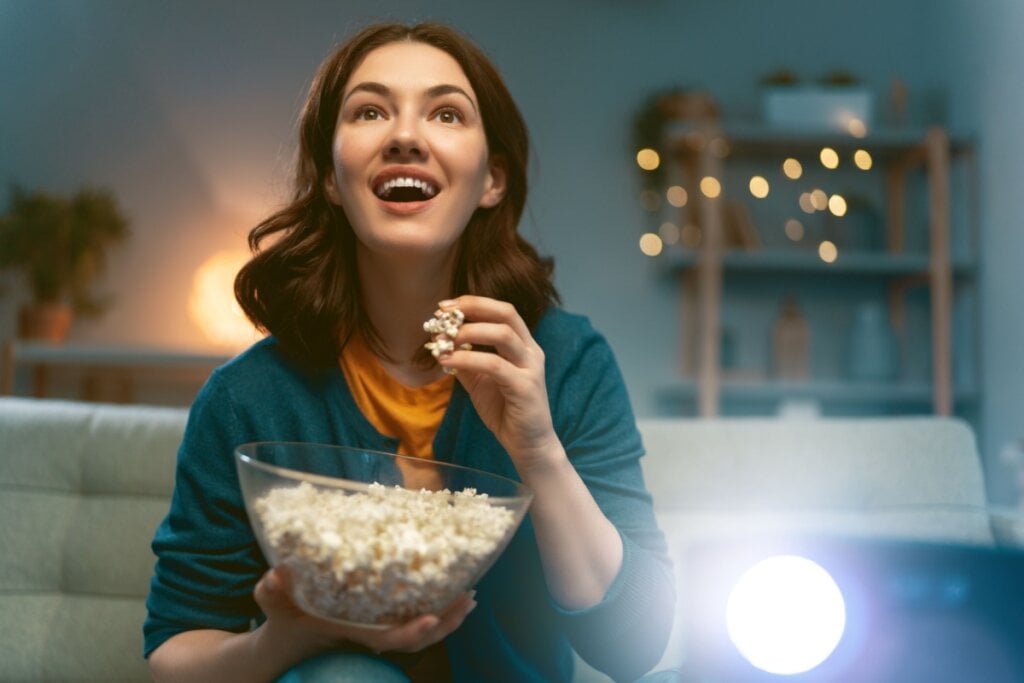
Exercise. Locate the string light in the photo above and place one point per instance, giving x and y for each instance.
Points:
(792, 168)
(650, 200)
(690, 236)
(856, 128)
(650, 244)
(837, 205)
(677, 196)
(710, 186)
(669, 232)
(794, 230)
(648, 159)
(862, 159)
(819, 199)
(827, 251)
(806, 203)
(829, 158)
(759, 187)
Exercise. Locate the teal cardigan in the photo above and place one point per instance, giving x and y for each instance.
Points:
(208, 561)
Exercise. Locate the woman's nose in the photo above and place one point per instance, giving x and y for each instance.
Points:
(405, 140)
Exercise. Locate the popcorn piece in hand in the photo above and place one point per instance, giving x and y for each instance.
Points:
(443, 327)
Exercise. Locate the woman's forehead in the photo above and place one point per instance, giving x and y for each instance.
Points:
(409, 66)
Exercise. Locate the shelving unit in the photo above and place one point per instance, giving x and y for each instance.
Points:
(915, 255)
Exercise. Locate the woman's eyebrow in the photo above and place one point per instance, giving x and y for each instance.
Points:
(446, 89)
(385, 91)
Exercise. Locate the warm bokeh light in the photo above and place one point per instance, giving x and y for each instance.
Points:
(759, 187)
(650, 244)
(792, 168)
(829, 158)
(819, 199)
(650, 200)
(690, 236)
(719, 147)
(806, 203)
(648, 159)
(669, 232)
(212, 305)
(676, 196)
(827, 251)
(794, 230)
(710, 186)
(856, 128)
(837, 205)
(786, 614)
(862, 159)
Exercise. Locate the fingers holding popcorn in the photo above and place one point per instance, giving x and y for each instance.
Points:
(507, 387)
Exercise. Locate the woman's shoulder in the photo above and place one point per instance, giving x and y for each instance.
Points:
(264, 366)
(559, 323)
(565, 336)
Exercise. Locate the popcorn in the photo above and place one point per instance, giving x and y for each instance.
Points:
(443, 327)
(383, 556)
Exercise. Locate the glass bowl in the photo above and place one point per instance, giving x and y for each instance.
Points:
(373, 538)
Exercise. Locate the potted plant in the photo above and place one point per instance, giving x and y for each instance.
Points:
(60, 246)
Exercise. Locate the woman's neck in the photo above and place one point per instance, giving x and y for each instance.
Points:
(398, 298)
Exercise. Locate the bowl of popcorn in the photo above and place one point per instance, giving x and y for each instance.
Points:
(373, 538)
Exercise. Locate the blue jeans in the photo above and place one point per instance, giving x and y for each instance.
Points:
(344, 667)
(352, 667)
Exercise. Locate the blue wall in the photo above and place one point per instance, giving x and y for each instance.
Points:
(187, 110)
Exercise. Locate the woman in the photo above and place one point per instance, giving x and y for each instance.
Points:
(411, 181)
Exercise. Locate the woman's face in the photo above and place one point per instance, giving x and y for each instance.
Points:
(411, 163)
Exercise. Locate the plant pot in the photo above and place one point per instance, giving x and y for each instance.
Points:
(45, 322)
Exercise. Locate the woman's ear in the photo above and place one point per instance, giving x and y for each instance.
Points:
(494, 185)
(331, 189)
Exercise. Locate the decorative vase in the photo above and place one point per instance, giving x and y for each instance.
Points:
(873, 351)
(45, 322)
(791, 339)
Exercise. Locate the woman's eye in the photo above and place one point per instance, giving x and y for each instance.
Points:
(367, 114)
(449, 116)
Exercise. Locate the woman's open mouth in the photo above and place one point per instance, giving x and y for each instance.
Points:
(405, 189)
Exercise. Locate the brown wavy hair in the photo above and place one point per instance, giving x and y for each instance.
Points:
(303, 285)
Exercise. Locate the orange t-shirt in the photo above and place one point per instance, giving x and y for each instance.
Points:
(410, 414)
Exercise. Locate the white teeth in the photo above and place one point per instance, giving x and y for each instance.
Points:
(384, 189)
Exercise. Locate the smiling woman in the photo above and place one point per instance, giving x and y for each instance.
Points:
(410, 184)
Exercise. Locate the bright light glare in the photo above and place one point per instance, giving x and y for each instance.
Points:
(786, 615)
(212, 305)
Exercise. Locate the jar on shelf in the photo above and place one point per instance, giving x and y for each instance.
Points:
(873, 353)
(791, 340)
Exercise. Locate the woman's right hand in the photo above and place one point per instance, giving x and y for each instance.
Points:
(312, 635)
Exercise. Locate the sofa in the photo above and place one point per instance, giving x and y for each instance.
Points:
(83, 486)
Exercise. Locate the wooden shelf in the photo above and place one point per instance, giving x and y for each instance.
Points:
(793, 261)
(702, 272)
(754, 138)
(826, 391)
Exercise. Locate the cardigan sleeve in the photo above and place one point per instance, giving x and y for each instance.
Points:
(625, 634)
(208, 561)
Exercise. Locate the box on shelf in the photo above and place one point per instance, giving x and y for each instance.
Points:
(817, 108)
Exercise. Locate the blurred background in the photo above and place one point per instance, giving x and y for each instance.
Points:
(183, 114)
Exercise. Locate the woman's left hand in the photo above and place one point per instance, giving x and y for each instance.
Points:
(507, 387)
